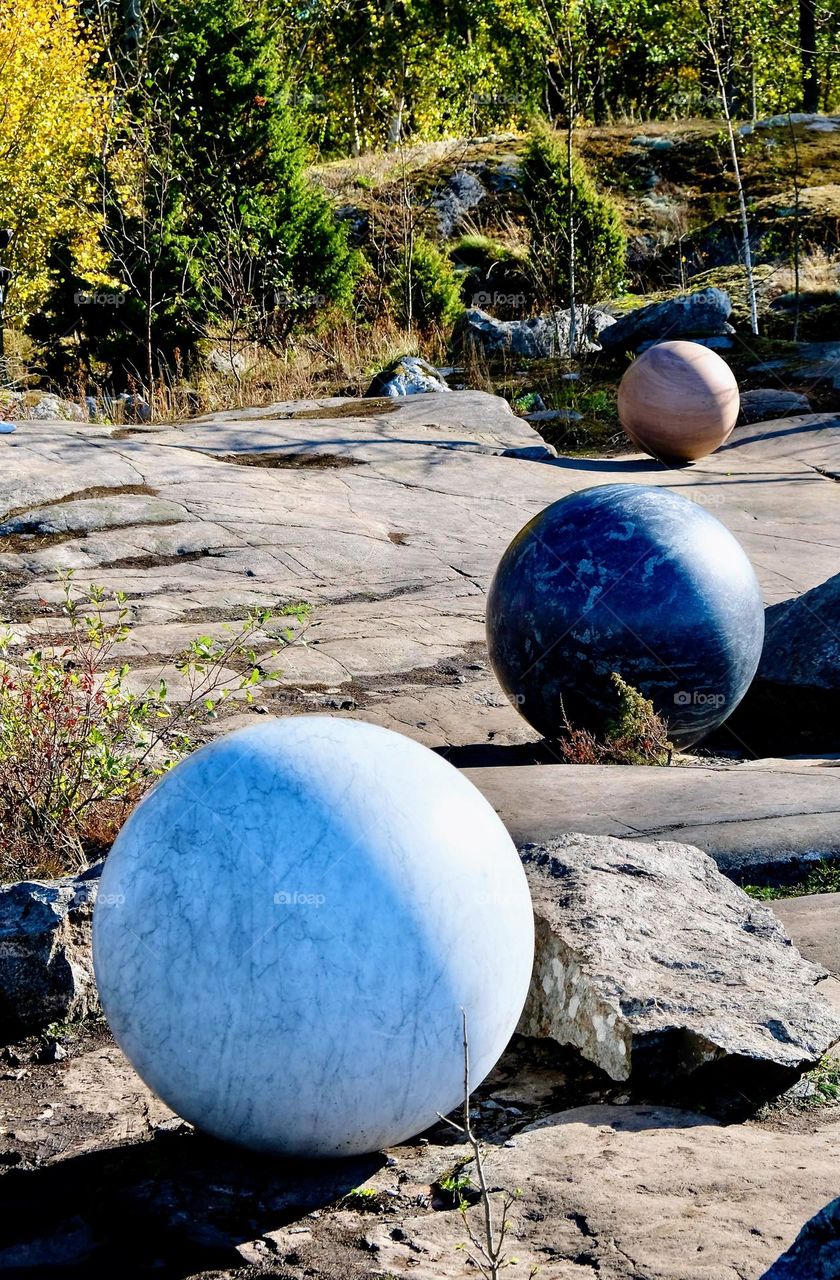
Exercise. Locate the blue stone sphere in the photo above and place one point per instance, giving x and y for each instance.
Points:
(291, 927)
(630, 579)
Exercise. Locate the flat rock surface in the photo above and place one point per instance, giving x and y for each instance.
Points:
(389, 518)
(814, 925)
(605, 1191)
(99, 1178)
(751, 818)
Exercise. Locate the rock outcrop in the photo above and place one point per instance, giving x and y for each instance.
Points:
(697, 315)
(654, 965)
(46, 969)
(462, 193)
(537, 338)
(794, 702)
(408, 376)
(767, 403)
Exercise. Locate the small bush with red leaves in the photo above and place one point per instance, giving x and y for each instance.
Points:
(81, 739)
(637, 735)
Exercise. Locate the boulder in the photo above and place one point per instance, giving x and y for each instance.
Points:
(554, 417)
(46, 407)
(815, 1253)
(811, 120)
(538, 338)
(696, 315)
(530, 452)
(767, 403)
(659, 143)
(793, 705)
(407, 376)
(654, 965)
(232, 364)
(46, 969)
(718, 342)
(462, 193)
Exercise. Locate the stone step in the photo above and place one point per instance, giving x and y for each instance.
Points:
(762, 822)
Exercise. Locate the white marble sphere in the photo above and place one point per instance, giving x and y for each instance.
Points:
(288, 928)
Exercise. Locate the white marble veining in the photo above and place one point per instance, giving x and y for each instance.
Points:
(290, 924)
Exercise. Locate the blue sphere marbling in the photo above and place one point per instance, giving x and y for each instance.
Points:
(631, 579)
(289, 926)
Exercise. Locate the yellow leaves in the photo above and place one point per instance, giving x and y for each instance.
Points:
(126, 169)
(54, 111)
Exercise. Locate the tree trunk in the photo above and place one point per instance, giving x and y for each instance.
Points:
(717, 37)
(395, 128)
(742, 206)
(797, 231)
(356, 145)
(150, 359)
(133, 25)
(572, 238)
(808, 45)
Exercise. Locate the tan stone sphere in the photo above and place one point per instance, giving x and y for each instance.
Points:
(678, 401)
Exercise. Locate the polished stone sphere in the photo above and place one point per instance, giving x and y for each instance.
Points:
(290, 925)
(630, 579)
(678, 401)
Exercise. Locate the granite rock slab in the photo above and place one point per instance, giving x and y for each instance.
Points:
(655, 966)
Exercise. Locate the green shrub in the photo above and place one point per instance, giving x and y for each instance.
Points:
(425, 290)
(475, 249)
(824, 878)
(79, 744)
(600, 241)
(213, 225)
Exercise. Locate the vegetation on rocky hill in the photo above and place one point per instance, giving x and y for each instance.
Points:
(295, 194)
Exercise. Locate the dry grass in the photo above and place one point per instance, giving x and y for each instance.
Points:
(819, 272)
(352, 176)
(341, 362)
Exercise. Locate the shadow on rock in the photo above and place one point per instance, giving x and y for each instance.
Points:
(173, 1206)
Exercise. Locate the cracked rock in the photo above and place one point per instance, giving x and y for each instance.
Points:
(654, 965)
(46, 969)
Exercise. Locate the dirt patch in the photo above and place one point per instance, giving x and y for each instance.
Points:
(367, 597)
(292, 461)
(158, 562)
(19, 543)
(361, 407)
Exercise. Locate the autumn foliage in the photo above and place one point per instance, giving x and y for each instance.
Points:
(55, 107)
